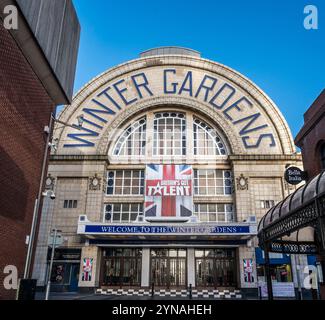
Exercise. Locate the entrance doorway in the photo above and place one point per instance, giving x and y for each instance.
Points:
(215, 268)
(122, 267)
(168, 267)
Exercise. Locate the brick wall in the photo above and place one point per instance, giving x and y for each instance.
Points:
(312, 136)
(25, 109)
(310, 148)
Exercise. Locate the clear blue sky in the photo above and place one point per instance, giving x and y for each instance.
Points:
(263, 39)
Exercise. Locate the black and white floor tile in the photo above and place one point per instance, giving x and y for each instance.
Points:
(200, 294)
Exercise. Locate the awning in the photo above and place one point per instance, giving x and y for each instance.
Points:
(167, 230)
(300, 210)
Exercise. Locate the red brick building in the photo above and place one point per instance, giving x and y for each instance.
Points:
(311, 138)
(33, 80)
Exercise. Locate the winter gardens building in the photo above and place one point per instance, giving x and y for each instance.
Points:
(176, 161)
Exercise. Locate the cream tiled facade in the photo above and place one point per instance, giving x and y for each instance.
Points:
(258, 146)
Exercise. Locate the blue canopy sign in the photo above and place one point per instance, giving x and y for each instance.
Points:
(154, 230)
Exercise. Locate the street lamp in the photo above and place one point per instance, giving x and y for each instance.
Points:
(49, 144)
(55, 233)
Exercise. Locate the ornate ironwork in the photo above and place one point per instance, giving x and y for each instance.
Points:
(307, 215)
(292, 247)
(292, 222)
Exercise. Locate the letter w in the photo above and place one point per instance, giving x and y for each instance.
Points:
(77, 136)
(94, 112)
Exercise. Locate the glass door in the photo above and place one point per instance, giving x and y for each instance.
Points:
(215, 268)
(168, 268)
(204, 273)
(113, 271)
(122, 267)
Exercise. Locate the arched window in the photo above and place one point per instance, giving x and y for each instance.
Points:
(133, 140)
(322, 156)
(169, 134)
(206, 140)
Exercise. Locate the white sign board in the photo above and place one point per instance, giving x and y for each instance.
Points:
(280, 289)
(58, 240)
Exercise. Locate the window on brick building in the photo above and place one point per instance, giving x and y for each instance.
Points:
(322, 156)
(70, 204)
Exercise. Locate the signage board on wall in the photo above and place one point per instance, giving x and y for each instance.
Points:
(294, 175)
(280, 289)
(168, 192)
(168, 229)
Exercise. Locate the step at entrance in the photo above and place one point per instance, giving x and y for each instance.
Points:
(205, 294)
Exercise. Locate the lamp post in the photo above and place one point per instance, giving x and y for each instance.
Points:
(54, 244)
(268, 272)
(48, 130)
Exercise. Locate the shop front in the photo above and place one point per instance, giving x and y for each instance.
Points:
(65, 270)
(168, 256)
(212, 268)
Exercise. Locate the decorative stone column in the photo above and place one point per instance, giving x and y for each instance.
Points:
(145, 268)
(191, 267)
(89, 274)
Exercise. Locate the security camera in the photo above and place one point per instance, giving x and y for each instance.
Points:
(49, 193)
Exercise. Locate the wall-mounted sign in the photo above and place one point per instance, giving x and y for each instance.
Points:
(280, 289)
(167, 229)
(294, 175)
(169, 192)
(65, 254)
(233, 104)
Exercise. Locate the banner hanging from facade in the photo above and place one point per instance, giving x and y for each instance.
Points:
(248, 270)
(87, 269)
(169, 192)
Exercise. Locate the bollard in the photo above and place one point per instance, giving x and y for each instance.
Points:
(190, 291)
(152, 289)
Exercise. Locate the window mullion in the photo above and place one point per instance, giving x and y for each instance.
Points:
(122, 185)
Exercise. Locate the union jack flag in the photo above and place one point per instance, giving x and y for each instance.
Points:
(169, 191)
(248, 270)
(87, 269)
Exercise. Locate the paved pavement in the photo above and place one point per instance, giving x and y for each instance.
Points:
(79, 296)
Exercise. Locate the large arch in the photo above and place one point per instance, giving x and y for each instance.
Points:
(245, 114)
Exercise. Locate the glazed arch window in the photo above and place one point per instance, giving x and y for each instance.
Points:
(169, 134)
(207, 142)
(132, 142)
(322, 156)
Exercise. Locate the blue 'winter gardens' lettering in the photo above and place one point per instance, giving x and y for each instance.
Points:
(104, 105)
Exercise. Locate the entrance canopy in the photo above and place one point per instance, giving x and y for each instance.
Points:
(166, 231)
(303, 208)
